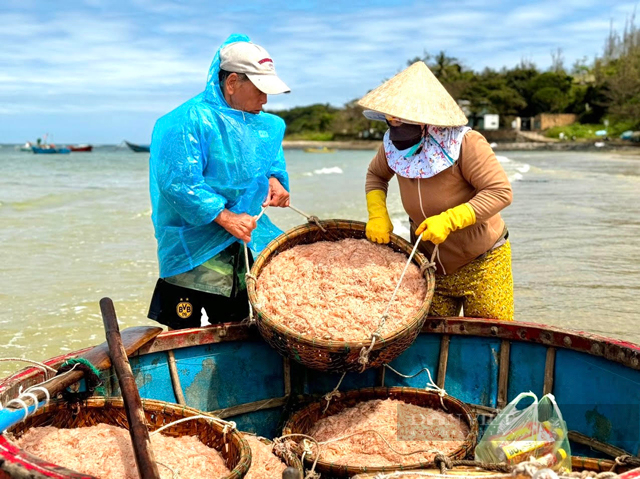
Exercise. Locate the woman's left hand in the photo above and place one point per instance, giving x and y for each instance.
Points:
(437, 228)
(277, 195)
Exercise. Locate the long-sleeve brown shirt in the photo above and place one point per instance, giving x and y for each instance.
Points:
(476, 178)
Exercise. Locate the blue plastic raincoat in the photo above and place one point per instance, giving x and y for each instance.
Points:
(205, 157)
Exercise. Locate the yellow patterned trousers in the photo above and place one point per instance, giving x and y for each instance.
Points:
(483, 288)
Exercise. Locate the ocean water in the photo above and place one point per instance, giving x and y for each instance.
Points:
(76, 228)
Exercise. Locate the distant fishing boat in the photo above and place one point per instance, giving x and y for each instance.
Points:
(28, 146)
(50, 149)
(80, 147)
(323, 149)
(138, 148)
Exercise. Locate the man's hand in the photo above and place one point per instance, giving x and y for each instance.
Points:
(239, 226)
(277, 195)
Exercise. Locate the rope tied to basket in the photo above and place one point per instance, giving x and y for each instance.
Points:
(627, 460)
(431, 386)
(335, 393)
(228, 426)
(310, 218)
(363, 359)
(248, 276)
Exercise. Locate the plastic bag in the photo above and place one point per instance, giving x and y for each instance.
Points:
(537, 431)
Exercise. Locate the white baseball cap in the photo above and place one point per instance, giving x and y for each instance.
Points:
(255, 62)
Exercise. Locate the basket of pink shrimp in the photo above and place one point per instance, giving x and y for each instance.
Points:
(325, 296)
(381, 430)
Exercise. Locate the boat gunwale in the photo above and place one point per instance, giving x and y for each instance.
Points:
(615, 350)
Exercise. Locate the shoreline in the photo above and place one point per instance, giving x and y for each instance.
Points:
(507, 146)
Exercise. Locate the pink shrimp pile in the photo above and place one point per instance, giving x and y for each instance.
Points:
(264, 464)
(340, 290)
(105, 451)
(406, 427)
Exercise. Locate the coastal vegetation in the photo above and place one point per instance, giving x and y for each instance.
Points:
(603, 94)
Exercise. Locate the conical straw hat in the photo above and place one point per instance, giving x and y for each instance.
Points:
(417, 96)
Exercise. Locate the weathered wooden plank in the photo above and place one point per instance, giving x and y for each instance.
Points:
(250, 407)
(175, 378)
(442, 361)
(549, 369)
(503, 374)
(612, 451)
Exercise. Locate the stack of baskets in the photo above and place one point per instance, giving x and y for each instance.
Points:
(328, 355)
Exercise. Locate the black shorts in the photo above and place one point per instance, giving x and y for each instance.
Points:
(180, 308)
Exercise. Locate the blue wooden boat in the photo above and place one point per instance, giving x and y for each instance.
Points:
(49, 150)
(230, 371)
(138, 148)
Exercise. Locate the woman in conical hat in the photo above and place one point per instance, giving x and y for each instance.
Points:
(452, 187)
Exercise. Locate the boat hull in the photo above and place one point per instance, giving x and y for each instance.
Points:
(81, 148)
(50, 151)
(138, 148)
(230, 371)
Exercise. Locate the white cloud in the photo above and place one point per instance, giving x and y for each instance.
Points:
(150, 54)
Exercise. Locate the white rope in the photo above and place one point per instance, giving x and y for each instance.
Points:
(22, 404)
(40, 386)
(310, 218)
(174, 474)
(431, 386)
(364, 352)
(33, 397)
(40, 365)
(335, 393)
(264, 208)
(46, 392)
(227, 424)
(308, 451)
(248, 276)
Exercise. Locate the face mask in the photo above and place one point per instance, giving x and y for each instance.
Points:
(405, 136)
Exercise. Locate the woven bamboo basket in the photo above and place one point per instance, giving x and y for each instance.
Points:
(100, 410)
(329, 355)
(302, 421)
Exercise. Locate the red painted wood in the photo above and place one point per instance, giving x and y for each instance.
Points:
(13, 458)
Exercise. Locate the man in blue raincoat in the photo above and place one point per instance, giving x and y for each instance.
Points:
(215, 161)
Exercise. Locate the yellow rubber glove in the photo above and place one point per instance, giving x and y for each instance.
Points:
(379, 225)
(437, 228)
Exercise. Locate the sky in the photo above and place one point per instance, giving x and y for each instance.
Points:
(101, 71)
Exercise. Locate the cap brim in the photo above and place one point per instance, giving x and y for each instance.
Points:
(269, 84)
(374, 115)
(378, 116)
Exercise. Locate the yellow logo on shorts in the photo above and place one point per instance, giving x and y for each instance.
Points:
(184, 309)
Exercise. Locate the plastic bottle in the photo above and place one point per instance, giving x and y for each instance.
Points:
(552, 459)
(519, 451)
(557, 432)
(516, 447)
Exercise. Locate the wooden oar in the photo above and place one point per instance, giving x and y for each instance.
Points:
(132, 338)
(145, 461)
